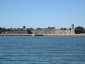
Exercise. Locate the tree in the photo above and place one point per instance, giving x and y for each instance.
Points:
(63, 28)
(2, 30)
(70, 28)
(39, 28)
(84, 30)
(31, 28)
(51, 28)
(24, 27)
(79, 30)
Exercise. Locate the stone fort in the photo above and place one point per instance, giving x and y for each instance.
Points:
(44, 31)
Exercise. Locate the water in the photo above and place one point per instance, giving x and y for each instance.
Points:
(42, 49)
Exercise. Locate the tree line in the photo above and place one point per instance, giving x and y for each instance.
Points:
(3, 30)
(78, 30)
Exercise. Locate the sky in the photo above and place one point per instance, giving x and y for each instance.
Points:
(42, 13)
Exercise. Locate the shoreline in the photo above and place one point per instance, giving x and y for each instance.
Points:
(42, 35)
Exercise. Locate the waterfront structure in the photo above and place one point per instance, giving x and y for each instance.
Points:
(53, 32)
(42, 31)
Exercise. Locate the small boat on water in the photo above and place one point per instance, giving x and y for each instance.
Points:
(39, 35)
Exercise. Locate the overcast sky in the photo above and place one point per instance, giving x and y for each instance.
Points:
(42, 13)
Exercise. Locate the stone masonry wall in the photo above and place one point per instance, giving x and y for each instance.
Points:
(43, 31)
(53, 31)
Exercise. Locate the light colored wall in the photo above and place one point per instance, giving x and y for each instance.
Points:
(44, 31)
(17, 32)
(53, 31)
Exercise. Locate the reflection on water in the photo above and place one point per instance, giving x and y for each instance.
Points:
(42, 50)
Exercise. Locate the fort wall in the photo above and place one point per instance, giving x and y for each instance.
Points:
(43, 31)
(53, 31)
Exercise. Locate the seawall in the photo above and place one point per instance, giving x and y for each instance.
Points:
(42, 35)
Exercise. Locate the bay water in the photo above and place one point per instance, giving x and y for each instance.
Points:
(42, 49)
